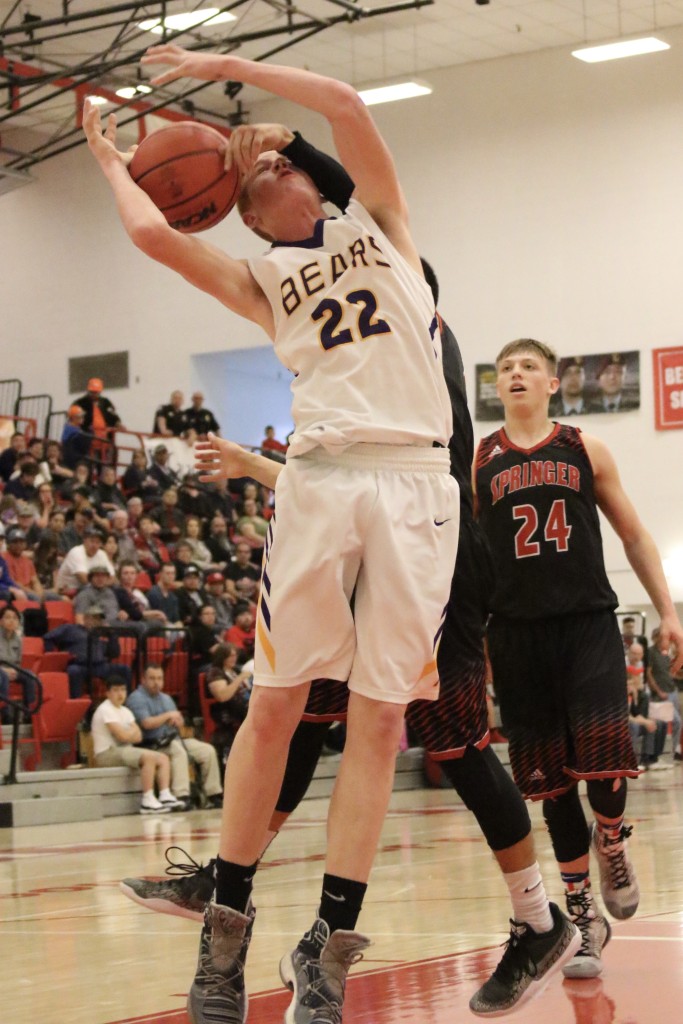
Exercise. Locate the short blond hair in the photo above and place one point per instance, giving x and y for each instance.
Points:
(539, 348)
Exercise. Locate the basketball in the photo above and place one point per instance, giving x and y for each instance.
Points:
(181, 169)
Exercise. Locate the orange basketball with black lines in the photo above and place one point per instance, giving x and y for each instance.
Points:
(181, 168)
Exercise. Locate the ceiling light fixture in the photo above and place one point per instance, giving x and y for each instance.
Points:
(624, 48)
(207, 18)
(98, 101)
(128, 92)
(396, 91)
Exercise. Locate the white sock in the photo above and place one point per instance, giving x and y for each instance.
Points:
(529, 899)
(148, 796)
(166, 794)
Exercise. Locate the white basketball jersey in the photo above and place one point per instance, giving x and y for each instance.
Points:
(356, 324)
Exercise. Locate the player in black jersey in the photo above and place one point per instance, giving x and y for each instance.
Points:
(554, 643)
(454, 729)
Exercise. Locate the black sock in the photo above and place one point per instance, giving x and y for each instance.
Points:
(341, 902)
(234, 883)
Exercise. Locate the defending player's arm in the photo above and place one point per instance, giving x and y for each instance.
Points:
(639, 546)
(203, 265)
(360, 146)
(218, 459)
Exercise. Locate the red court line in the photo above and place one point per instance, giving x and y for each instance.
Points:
(642, 977)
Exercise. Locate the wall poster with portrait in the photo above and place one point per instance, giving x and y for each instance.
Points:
(603, 383)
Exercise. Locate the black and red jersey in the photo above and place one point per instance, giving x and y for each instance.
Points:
(538, 511)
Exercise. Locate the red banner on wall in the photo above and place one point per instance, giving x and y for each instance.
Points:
(667, 365)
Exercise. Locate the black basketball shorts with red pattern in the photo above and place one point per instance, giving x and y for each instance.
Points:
(561, 683)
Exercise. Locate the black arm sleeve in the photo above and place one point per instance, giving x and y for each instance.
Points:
(327, 175)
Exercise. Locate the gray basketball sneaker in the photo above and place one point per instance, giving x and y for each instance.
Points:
(218, 995)
(316, 973)
(185, 894)
(618, 882)
(529, 961)
(595, 934)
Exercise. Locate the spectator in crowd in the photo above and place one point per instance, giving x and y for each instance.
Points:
(194, 500)
(79, 482)
(9, 588)
(570, 399)
(75, 440)
(9, 457)
(204, 637)
(611, 377)
(162, 597)
(160, 470)
(218, 542)
(191, 595)
(170, 419)
(270, 442)
(135, 508)
(73, 572)
(151, 553)
(110, 547)
(45, 503)
(20, 564)
(200, 419)
(52, 468)
(10, 651)
(123, 535)
(115, 734)
(169, 517)
(160, 720)
(28, 520)
(220, 500)
(92, 654)
(252, 528)
(101, 418)
(57, 526)
(183, 559)
(242, 576)
(133, 601)
(46, 562)
(219, 600)
(36, 450)
(137, 481)
(107, 496)
(229, 688)
(647, 734)
(630, 637)
(242, 632)
(81, 501)
(74, 531)
(192, 529)
(663, 685)
(23, 486)
(99, 592)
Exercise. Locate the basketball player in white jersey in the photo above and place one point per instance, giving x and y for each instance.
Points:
(366, 487)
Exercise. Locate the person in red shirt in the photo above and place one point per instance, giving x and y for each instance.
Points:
(242, 632)
(270, 442)
(21, 567)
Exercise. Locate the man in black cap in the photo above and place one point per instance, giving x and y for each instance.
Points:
(610, 376)
(91, 654)
(191, 595)
(569, 400)
(200, 419)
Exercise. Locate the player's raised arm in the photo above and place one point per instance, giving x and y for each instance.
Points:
(203, 265)
(359, 144)
(639, 546)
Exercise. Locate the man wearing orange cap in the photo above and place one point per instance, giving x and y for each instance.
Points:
(100, 419)
(75, 442)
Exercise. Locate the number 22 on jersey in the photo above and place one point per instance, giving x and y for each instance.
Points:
(367, 323)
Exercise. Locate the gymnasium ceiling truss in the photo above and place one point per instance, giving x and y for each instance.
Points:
(48, 65)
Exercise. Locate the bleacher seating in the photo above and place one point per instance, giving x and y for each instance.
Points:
(32, 650)
(57, 719)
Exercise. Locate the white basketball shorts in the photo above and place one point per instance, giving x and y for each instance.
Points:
(378, 523)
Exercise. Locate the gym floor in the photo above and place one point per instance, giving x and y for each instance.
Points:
(74, 949)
